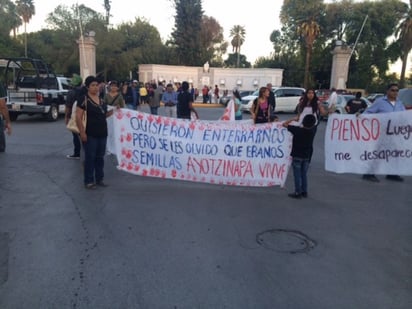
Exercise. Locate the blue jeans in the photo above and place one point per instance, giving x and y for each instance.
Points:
(300, 171)
(94, 151)
(153, 110)
(131, 106)
(76, 144)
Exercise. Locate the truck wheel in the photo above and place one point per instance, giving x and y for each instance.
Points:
(13, 116)
(53, 114)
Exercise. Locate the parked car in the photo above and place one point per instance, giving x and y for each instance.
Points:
(226, 98)
(244, 93)
(373, 96)
(405, 95)
(247, 101)
(341, 101)
(323, 94)
(287, 99)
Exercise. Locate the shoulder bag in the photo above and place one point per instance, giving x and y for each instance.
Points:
(72, 124)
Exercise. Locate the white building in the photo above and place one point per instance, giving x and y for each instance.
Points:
(225, 78)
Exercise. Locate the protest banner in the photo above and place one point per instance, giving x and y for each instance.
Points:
(216, 152)
(229, 113)
(369, 143)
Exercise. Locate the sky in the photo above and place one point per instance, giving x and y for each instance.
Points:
(258, 17)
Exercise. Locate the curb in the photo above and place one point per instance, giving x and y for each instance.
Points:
(207, 105)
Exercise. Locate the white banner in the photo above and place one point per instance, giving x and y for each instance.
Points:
(216, 152)
(229, 113)
(369, 144)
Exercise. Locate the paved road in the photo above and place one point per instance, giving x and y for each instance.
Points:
(150, 243)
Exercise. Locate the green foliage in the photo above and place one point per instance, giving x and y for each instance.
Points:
(26, 9)
(232, 61)
(9, 18)
(212, 41)
(186, 35)
(197, 38)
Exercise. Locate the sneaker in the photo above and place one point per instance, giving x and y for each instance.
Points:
(101, 184)
(295, 195)
(394, 178)
(90, 186)
(370, 178)
(304, 194)
(73, 157)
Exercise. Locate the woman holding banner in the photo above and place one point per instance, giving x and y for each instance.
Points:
(310, 105)
(260, 110)
(238, 102)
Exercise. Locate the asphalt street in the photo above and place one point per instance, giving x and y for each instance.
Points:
(151, 243)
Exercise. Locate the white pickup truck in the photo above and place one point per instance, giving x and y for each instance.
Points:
(32, 88)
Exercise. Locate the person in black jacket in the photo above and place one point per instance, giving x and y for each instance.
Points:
(185, 103)
(302, 149)
(272, 103)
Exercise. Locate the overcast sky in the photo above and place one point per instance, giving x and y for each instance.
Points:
(259, 17)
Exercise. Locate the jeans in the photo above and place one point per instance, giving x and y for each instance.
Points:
(153, 110)
(76, 144)
(300, 171)
(131, 106)
(94, 151)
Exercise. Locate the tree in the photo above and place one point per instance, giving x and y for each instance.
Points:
(212, 41)
(237, 61)
(309, 30)
(302, 21)
(9, 18)
(238, 34)
(57, 45)
(404, 35)
(373, 52)
(26, 9)
(186, 34)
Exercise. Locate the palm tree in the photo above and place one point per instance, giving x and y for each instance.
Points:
(13, 18)
(309, 30)
(404, 35)
(237, 33)
(107, 8)
(26, 10)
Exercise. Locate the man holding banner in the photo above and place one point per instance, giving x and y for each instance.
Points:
(387, 104)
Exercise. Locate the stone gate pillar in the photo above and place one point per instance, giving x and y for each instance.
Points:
(340, 65)
(87, 52)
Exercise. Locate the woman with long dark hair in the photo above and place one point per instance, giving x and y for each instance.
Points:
(260, 108)
(309, 104)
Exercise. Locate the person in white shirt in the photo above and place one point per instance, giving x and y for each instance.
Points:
(333, 98)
